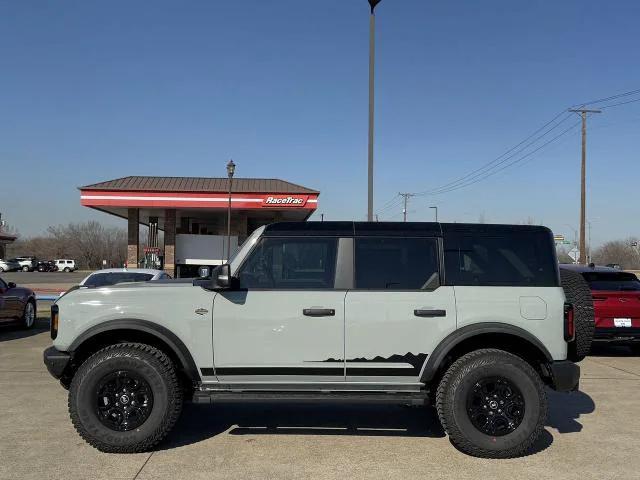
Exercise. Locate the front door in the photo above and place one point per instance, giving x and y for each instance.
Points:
(286, 321)
(398, 311)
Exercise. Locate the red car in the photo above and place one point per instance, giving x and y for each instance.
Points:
(616, 302)
(17, 305)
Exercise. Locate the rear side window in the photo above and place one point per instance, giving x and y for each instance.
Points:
(509, 259)
(395, 263)
(613, 281)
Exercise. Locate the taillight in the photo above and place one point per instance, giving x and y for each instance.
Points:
(569, 324)
(54, 321)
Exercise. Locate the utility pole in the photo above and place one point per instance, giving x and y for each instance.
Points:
(372, 53)
(583, 187)
(406, 197)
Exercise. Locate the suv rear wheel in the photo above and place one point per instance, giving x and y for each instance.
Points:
(492, 404)
(125, 398)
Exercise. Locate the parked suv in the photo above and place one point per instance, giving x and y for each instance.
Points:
(27, 264)
(616, 302)
(469, 318)
(65, 265)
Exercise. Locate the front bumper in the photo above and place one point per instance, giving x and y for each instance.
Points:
(56, 361)
(565, 376)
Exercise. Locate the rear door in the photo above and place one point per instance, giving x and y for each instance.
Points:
(398, 312)
(285, 323)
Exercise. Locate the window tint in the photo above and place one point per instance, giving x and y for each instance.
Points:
(616, 281)
(291, 263)
(112, 278)
(395, 263)
(510, 259)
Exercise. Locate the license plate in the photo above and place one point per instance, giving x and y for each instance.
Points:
(622, 322)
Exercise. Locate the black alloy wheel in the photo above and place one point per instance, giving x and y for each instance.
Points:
(495, 406)
(124, 400)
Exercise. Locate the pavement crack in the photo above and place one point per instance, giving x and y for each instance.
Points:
(143, 465)
(616, 368)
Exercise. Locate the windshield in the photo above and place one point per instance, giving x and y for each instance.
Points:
(613, 281)
(112, 278)
(251, 239)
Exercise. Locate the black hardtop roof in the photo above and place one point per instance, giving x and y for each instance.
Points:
(404, 229)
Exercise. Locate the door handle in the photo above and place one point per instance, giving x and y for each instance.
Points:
(429, 313)
(318, 312)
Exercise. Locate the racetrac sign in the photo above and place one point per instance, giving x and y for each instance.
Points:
(245, 201)
(285, 201)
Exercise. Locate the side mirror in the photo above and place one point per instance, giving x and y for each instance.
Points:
(222, 277)
(11, 285)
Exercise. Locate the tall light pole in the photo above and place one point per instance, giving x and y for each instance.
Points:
(231, 169)
(372, 52)
(436, 209)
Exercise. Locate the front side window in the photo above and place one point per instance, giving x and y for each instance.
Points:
(511, 259)
(290, 263)
(395, 263)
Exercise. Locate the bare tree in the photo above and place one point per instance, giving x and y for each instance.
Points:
(88, 243)
(622, 252)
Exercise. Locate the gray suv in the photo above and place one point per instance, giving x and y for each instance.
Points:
(471, 319)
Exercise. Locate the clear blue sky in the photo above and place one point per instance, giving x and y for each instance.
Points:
(94, 90)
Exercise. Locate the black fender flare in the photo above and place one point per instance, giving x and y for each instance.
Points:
(163, 334)
(474, 330)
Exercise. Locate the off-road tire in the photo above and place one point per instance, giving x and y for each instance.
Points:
(456, 385)
(25, 269)
(157, 370)
(66, 270)
(578, 293)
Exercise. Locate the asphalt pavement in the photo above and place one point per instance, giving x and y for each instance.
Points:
(590, 434)
(32, 278)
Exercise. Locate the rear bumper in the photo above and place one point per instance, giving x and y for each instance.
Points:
(565, 376)
(56, 361)
(617, 335)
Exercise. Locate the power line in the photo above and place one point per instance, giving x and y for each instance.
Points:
(620, 103)
(606, 99)
(501, 159)
(498, 164)
(395, 202)
(504, 167)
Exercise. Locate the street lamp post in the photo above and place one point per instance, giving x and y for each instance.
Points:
(372, 47)
(436, 210)
(231, 168)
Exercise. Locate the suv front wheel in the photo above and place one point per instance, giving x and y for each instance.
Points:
(492, 404)
(125, 398)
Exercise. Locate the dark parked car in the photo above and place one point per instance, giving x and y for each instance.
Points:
(616, 302)
(17, 305)
(47, 266)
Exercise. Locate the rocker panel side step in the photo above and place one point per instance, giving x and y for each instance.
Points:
(402, 398)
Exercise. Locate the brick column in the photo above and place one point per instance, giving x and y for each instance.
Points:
(170, 241)
(133, 236)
